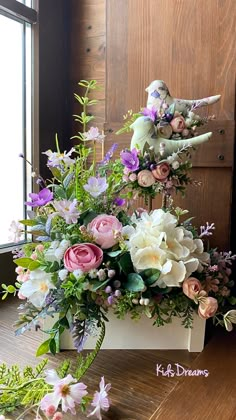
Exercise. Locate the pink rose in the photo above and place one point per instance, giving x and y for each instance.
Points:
(104, 229)
(191, 287)
(162, 171)
(145, 178)
(178, 124)
(207, 307)
(84, 257)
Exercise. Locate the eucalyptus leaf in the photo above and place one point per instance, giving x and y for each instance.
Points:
(125, 263)
(134, 283)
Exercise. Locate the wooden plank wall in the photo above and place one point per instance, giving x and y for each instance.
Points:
(190, 45)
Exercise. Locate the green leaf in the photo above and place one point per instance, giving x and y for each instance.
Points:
(53, 346)
(171, 109)
(232, 300)
(134, 283)
(23, 262)
(56, 172)
(150, 275)
(125, 263)
(98, 284)
(33, 265)
(43, 348)
(28, 222)
(4, 286)
(64, 322)
(11, 289)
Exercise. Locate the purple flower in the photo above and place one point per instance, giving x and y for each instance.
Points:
(40, 199)
(96, 186)
(119, 201)
(109, 154)
(93, 134)
(151, 113)
(129, 158)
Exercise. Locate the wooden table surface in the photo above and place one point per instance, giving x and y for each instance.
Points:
(137, 392)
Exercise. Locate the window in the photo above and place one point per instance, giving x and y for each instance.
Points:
(16, 75)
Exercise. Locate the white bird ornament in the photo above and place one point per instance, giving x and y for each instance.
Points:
(159, 96)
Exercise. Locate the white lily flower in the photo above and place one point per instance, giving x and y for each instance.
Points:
(229, 319)
(37, 287)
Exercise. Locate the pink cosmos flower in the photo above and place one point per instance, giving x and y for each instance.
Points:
(104, 229)
(16, 230)
(55, 159)
(65, 392)
(100, 400)
(93, 134)
(67, 209)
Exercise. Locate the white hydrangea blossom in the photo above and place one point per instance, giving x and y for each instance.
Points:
(159, 243)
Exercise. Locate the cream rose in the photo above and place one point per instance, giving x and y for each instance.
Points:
(191, 287)
(145, 178)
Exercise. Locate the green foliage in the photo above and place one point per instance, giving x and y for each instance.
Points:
(134, 283)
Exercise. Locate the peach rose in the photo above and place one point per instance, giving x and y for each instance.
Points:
(84, 257)
(145, 178)
(104, 228)
(207, 307)
(162, 171)
(165, 131)
(191, 287)
(178, 124)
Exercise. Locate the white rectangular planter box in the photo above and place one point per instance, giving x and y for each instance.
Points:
(141, 334)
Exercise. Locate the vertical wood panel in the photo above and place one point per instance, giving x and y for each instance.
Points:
(190, 45)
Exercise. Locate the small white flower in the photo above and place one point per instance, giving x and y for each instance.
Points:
(50, 253)
(93, 273)
(175, 164)
(63, 274)
(78, 273)
(60, 251)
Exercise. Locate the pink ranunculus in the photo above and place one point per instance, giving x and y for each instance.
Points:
(207, 307)
(104, 228)
(162, 171)
(191, 287)
(178, 124)
(84, 257)
(145, 178)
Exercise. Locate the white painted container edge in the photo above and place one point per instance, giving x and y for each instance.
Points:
(141, 334)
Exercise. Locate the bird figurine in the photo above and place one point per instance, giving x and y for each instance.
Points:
(159, 98)
(144, 133)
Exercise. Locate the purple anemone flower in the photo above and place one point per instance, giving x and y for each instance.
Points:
(151, 113)
(40, 199)
(119, 201)
(129, 158)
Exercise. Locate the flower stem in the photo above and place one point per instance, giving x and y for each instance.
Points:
(26, 411)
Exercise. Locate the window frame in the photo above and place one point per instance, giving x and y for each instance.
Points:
(20, 12)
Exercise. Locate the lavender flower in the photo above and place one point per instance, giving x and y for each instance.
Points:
(67, 209)
(151, 113)
(96, 186)
(109, 154)
(40, 199)
(206, 230)
(129, 158)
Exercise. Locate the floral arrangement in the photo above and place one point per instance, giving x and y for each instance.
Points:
(89, 254)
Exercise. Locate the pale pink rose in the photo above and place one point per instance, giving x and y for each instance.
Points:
(83, 257)
(50, 410)
(191, 287)
(207, 307)
(178, 124)
(185, 132)
(165, 131)
(145, 178)
(162, 171)
(104, 228)
(57, 416)
(34, 256)
(133, 177)
(39, 248)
